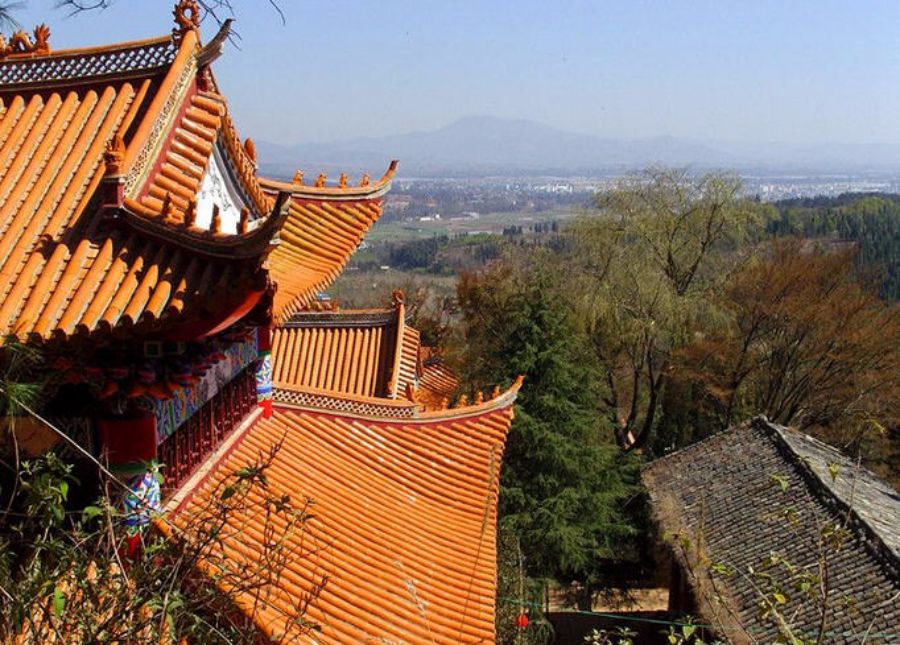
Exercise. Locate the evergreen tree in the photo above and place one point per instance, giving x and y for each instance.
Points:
(565, 485)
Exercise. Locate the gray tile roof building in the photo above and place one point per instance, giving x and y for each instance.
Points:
(728, 503)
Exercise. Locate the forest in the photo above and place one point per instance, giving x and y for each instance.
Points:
(870, 222)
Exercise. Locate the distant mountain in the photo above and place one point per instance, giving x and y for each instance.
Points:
(490, 145)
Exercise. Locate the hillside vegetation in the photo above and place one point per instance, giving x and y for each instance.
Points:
(870, 222)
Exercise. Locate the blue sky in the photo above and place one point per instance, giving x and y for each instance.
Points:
(712, 70)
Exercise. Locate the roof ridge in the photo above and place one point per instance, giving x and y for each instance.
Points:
(90, 49)
(68, 68)
(355, 405)
(827, 493)
(701, 442)
(399, 326)
(161, 114)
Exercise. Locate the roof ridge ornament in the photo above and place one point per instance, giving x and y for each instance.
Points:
(250, 149)
(187, 18)
(20, 43)
(114, 155)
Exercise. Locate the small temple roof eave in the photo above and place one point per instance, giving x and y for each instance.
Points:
(255, 243)
(319, 236)
(381, 409)
(333, 193)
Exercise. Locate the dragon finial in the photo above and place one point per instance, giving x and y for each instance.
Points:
(21, 44)
(365, 181)
(298, 178)
(342, 182)
(320, 181)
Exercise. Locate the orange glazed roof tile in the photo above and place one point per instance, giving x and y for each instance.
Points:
(405, 522)
(61, 269)
(101, 152)
(324, 228)
(438, 383)
(345, 352)
(363, 352)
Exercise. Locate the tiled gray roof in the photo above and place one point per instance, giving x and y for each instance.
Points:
(873, 501)
(758, 488)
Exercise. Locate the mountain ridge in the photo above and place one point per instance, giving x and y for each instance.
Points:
(481, 144)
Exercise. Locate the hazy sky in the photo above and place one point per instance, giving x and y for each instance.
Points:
(750, 70)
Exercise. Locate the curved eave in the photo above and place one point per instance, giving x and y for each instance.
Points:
(333, 193)
(255, 243)
(503, 400)
(387, 407)
(171, 323)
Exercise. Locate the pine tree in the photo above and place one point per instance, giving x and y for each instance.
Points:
(565, 485)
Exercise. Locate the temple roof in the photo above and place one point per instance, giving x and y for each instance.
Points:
(346, 352)
(61, 269)
(758, 489)
(404, 528)
(127, 198)
(438, 383)
(324, 228)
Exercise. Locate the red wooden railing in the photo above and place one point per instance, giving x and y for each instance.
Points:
(185, 449)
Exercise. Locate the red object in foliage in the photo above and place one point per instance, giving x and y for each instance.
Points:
(522, 620)
(133, 546)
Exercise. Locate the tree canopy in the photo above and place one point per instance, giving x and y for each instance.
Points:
(565, 487)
